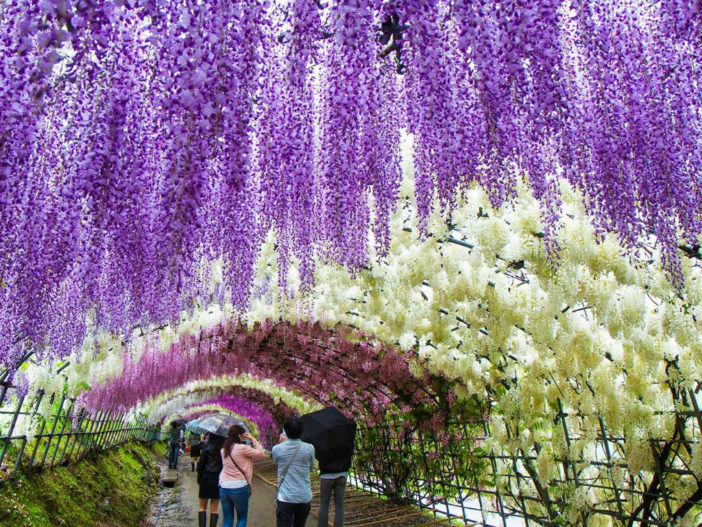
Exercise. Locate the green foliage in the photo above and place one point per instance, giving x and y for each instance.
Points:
(406, 458)
(112, 488)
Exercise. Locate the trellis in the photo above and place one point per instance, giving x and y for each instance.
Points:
(500, 487)
(62, 437)
(497, 488)
(450, 473)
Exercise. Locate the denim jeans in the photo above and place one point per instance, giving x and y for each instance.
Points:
(231, 500)
(292, 514)
(173, 455)
(327, 486)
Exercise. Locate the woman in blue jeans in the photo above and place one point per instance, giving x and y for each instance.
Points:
(235, 478)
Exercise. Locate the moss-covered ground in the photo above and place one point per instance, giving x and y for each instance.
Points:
(109, 489)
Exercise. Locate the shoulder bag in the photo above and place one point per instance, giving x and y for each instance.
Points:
(285, 470)
(242, 472)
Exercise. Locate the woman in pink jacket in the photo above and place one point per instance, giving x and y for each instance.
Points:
(235, 478)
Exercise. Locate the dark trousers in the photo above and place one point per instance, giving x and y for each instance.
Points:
(327, 486)
(292, 514)
(173, 455)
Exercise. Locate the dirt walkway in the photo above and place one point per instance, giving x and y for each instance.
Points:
(180, 503)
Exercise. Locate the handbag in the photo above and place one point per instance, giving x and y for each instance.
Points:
(242, 472)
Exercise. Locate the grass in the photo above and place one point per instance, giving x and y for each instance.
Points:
(108, 489)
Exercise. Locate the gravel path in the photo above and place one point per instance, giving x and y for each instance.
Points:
(180, 503)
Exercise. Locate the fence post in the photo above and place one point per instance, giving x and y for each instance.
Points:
(100, 436)
(5, 385)
(106, 431)
(109, 440)
(140, 432)
(24, 438)
(12, 428)
(53, 429)
(121, 429)
(112, 436)
(142, 428)
(78, 434)
(94, 434)
(37, 440)
(70, 434)
(118, 428)
(87, 436)
(127, 432)
(84, 429)
(107, 443)
(66, 417)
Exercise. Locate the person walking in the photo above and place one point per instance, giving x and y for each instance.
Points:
(195, 450)
(333, 436)
(235, 478)
(295, 460)
(332, 479)
(208, 468)
(175, 443)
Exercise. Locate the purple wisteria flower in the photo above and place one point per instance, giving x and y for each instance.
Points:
(140, 139)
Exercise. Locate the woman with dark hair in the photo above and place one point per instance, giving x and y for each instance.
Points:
(235, 478)
(208, 468)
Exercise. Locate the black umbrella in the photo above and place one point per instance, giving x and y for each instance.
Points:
(333, 435)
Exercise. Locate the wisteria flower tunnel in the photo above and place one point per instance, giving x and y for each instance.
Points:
(473, 226)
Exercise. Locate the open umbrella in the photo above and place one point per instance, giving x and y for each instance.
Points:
(217, 424)
(191, 426)
(333, 435)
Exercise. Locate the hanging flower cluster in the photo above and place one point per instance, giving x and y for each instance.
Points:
(142, 140)
(497, 301)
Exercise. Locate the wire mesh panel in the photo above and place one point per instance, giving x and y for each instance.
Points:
(589, 476)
